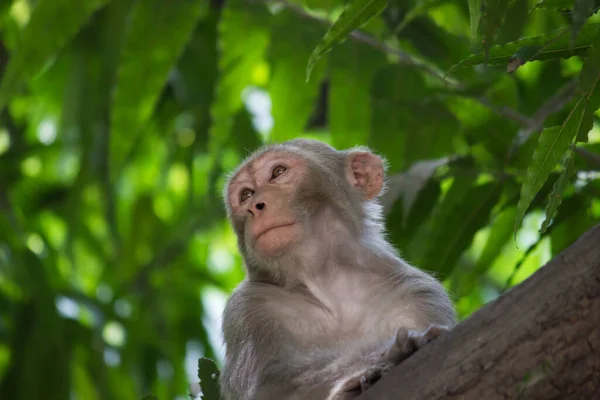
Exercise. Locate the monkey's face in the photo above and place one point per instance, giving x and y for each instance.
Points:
(262, 197)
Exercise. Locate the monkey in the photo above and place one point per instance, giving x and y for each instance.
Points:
(327, 305)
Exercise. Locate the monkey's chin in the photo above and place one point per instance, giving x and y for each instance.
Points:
(276, 241)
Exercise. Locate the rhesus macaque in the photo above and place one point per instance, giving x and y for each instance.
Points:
(327, 305)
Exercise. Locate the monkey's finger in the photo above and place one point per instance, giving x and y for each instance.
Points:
(402, 348)
(371, 376)
(432, 333)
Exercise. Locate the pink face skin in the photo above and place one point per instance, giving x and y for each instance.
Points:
(262, 193)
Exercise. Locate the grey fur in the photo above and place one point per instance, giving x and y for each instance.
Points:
(299, 325)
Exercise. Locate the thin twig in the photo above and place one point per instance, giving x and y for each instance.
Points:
(553, 105)
(588, 155)
(506, 112)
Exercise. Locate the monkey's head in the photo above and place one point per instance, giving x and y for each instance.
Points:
(276, 198)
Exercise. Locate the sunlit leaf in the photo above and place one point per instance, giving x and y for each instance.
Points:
(241, 64)
(464, 210)
(552, 144)
(196, 81)
(398, 129)
(354, 16)
(156, 37)
(353, 66)
(474, 17)
(420, 8)
(553, 45)
(53, 23)
(590, 76)
(291, 44)
(500, 231)
(566, 229)
(560, 185)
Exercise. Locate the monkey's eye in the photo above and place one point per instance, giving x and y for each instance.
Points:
(278, 170)
(245, 195)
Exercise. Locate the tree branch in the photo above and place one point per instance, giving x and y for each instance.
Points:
(540, 340)
(588, 155)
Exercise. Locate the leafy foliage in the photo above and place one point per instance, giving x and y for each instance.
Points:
(492, 16)
(157, 35)
(119, 120)
(560, 185)
(556, 4)
(475, 16)
(67, 18)
(547, 46)
(354, 16)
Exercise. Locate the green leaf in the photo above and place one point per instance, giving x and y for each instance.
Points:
(415, 180)
(157, 35)
(398, 110)
(580, 14)
(554, 45)
(291, 44)
(208, 374)
(492, 17)
(590, 75)
(53, 23)
(517, 17)
(357, 13)
(560, 185)
(566, 229)
(500, 231)
(475, 17)
(464, 210)
(401, 225)
(246, 139)
(241, 64)
(195, 83)
(552, 144)
(349, 105)
(420, 8)
(555, 4)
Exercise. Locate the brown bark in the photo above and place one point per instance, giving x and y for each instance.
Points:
(540, 340)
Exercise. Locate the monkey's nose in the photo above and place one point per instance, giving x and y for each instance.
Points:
(259, 206)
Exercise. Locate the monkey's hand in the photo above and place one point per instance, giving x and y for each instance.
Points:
(406, 343)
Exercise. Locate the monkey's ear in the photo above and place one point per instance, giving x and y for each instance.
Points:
(365, 172)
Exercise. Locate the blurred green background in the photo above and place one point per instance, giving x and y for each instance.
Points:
(120, 119)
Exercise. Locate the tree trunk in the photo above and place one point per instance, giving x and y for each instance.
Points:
(540, 340)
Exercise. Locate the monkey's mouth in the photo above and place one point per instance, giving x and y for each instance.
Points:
(272, 227)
